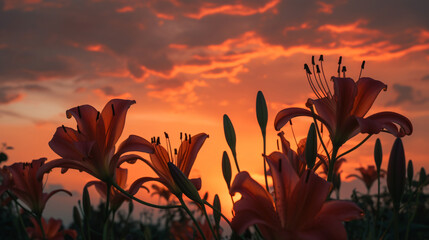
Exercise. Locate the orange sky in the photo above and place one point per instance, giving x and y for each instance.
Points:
(188, 63)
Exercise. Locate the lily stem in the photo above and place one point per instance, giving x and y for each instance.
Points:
(39, 221)
(319, 134)
(141, 201)
(377, 216)
(332, 163)
(107, 213)
(208, 221)
(265, 163)
(410, 220)
(191, 216)
(355, 147)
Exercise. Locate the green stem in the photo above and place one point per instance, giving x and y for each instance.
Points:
(107, 213)
(208, 221)
(234, 154)
(319, 134)
(265, 164)
(20, 220)
(191, 216)
(332, 163)
(39, 221)
(141, 201)
(396, 220)
(410, 220)
(214, 209)
(355, 147)
(377, 216)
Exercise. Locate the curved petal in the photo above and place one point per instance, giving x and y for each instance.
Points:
(86, 118)
(113, 116)
(137, 184)
(100, 186)
(136, 144)
(159, 161)
(354, 175)
(46, 197)
(307, 199)
(384, 120)
(325, 108)
(188, 152)
(285, 115)
(65, 163)
(340, 210)
(121, 176)
(367, 91)
(64, 141)
(284, 180)
(345, 92)
(255, 205)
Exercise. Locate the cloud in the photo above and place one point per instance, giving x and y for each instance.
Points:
(425, 78)
(407, 94)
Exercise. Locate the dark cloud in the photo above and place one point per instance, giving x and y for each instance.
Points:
(7, 96)
(425, 78)
(407, 94)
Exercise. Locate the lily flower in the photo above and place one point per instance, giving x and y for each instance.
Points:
(52, 230)
(184, 160)
(27, 188)
(343, 112)
(91, 148)
(299, 209)
(368, 175)
(297, 159)
(116, 197)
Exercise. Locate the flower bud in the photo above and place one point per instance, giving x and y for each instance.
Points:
(396, 173)
(184, 184)
(311, 147)
(229, 131)
(378, 155)
(86, 203)
(226, 169)
(216, 213)
(423, 177)
(261, 112)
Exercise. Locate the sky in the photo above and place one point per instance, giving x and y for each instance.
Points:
(186, 63)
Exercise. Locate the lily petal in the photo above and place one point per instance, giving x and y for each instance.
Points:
(284, 180)
(188, 152)
(113, 116)
(307, 199)
(135, 143)
(385, 120)
(253, 195)
(341, 210)
(64, 163)
(367, 91)
(345, 92)
(285, 115)
(86, 118)
(63, 143)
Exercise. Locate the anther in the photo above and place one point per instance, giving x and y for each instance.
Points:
(290, 121)
(113, 110)
(317, 69)
(175, 151)
(181, 136)
(78, 112)
(64, 128)
(363, 65)
(278, 147)
(340, 60)
(321, 58)
(158, 141)
(307, 69)
(98, 116)
(166, 135)
(312, 60)
(186, 137)
(189, 138)
(344, 69)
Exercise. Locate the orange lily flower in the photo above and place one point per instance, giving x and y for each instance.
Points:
(299, 209)
(343, 113)
(51, 229)
(27, 188)
(185, 159)
(368, 175)
(116, 197)
(297, 159)
(91, 148)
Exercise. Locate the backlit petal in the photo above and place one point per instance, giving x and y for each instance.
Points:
(188, 152)
(86, 118)
(367, 91)
(285, 115)
(385, 120)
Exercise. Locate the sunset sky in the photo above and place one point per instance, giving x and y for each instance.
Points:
(186, 63)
